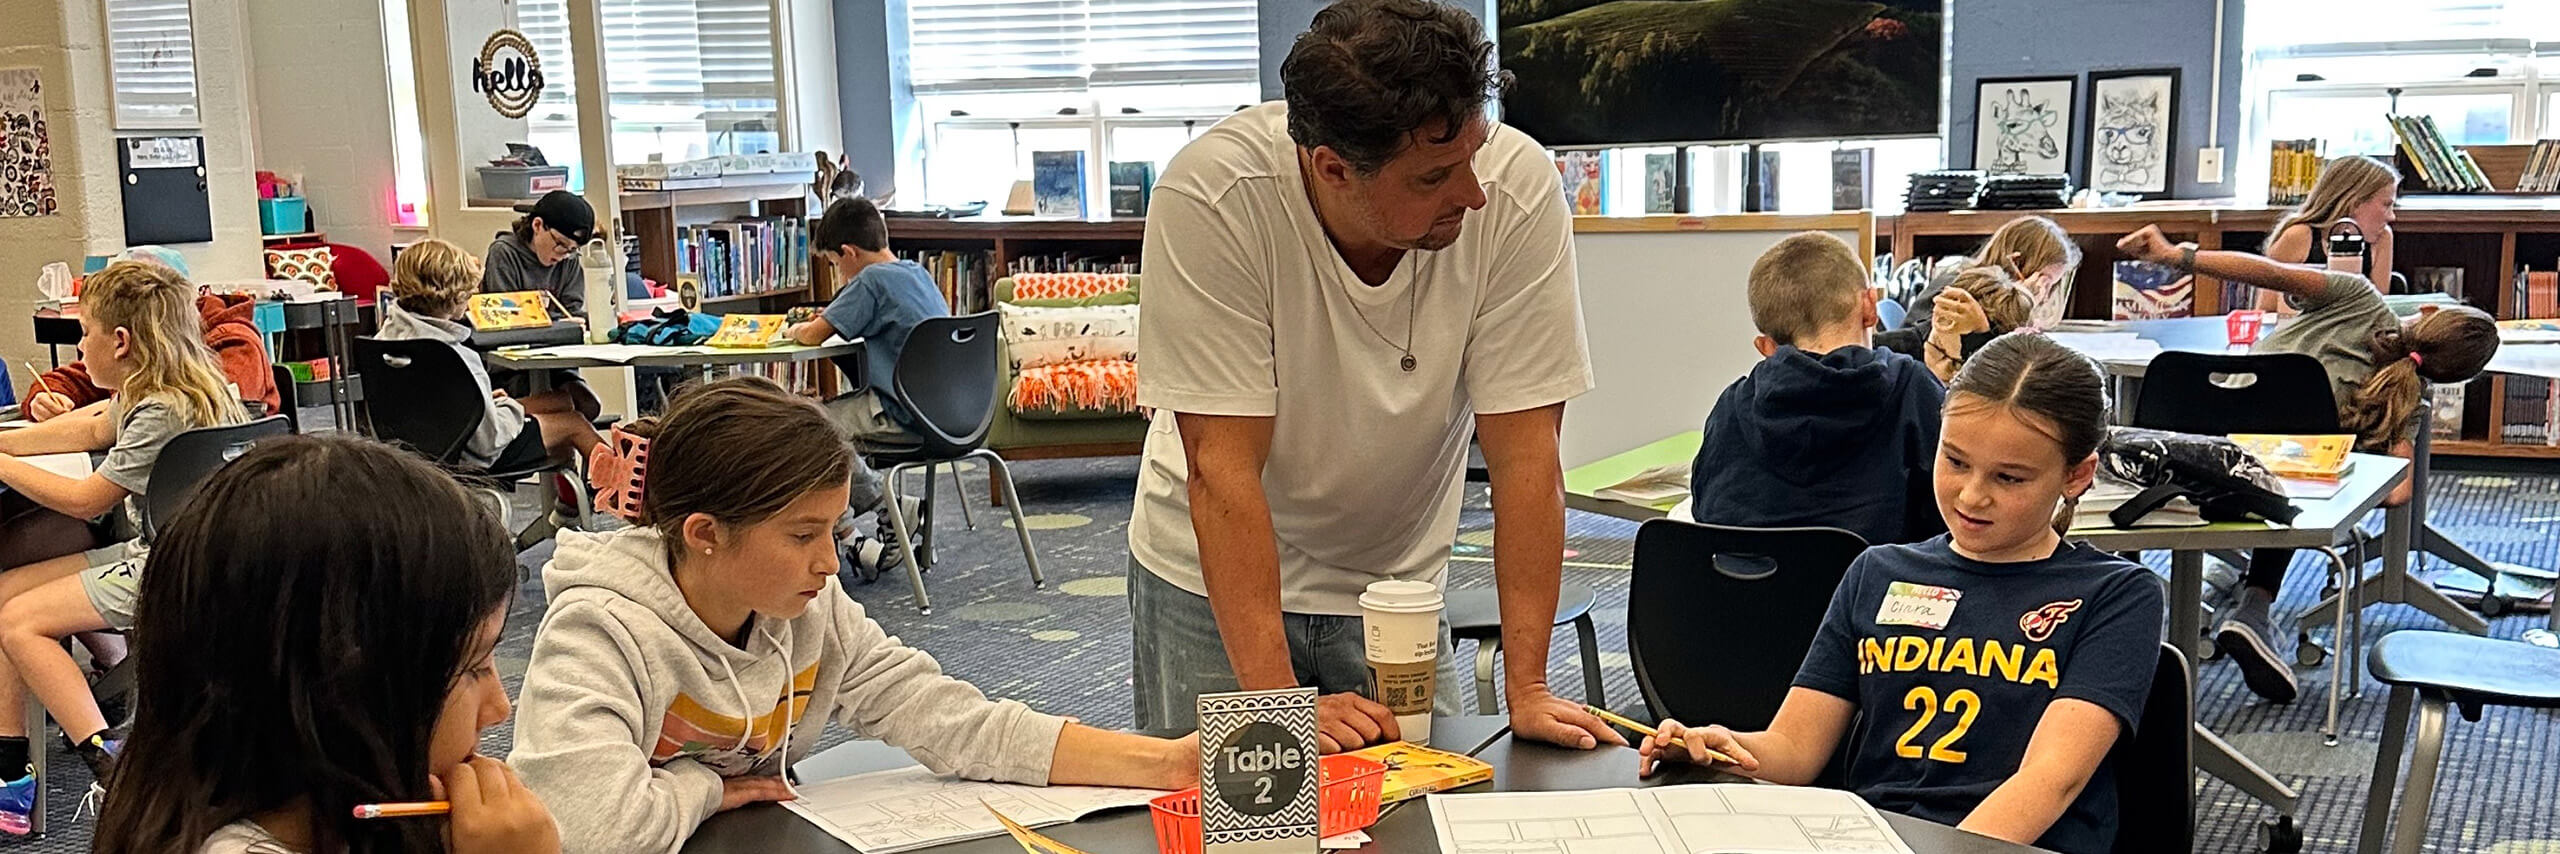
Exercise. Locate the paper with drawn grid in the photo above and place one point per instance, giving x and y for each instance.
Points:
(1724, 818)
(885, 812)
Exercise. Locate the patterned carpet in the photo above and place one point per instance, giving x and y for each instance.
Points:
(1066, 650)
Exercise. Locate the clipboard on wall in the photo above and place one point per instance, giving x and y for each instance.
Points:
(165, 198)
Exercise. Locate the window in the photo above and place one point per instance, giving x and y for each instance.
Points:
(152, 50)
(408, 140)
(689, 78)
(1118, 80)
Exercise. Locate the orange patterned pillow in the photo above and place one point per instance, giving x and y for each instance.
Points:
(1031, 286)
(1109, 385)
(309, 265)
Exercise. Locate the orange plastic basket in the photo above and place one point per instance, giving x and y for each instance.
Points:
(1346, 800)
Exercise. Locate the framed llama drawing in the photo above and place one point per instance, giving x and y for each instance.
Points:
(2132, 131)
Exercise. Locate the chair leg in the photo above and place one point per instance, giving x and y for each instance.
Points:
(2340, 636)
(906, 540)
(36, 743)
(924, 522)
(960, 496)
(2386, 771)
(997, 472)
(1485, 703)
(1592, 691)
(2409, 831)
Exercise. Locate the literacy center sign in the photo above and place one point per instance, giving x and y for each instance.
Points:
(509, 73)
(1258, 776)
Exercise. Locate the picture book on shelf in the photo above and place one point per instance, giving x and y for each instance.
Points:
(1131, 180)
(1584, 180)
(1057, 183)
(510, 310)
(1851, 184)
(750, 331)
(1660, 183)
(1414, 771)
(2321, 457)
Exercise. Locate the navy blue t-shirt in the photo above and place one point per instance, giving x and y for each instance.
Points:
(882, 306)
(1952, 662)
(1844, 439)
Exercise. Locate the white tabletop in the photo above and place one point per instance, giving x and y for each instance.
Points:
(2322, 523)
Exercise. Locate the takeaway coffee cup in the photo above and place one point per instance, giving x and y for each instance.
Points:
(1401, 622)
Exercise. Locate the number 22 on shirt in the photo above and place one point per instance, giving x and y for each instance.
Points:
(1962, 704)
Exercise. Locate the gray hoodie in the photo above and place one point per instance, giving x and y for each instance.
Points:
(633, 711)
(504, 418)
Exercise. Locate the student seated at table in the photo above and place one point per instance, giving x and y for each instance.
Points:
(230, 331)
(431, 287)
(2032, 250)
(2355, 190)
(1826, 429)
(291, 671)
(2378, 369)
(880, 300)
(687, 662)
(1995, 665)
(139, 336)
(540, 253)
(1978, 302)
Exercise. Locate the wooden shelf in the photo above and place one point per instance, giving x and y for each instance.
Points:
(2477, 448)
(992, 228)
(802, 292)
(793, 189)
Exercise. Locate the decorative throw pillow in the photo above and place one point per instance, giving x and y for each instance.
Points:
(1038, 337)
(1030, 286)
(309, 265)
(1090, 385)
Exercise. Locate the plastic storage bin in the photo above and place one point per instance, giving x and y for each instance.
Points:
(283, 215)
(521, 182)
(1346, 800)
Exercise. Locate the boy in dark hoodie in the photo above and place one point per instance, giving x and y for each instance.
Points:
(1827, 430)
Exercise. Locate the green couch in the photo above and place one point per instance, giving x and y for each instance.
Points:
(1052, 435)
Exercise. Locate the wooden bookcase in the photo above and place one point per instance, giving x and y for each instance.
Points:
(654, 216)
(1008, 239)
(2488, 236)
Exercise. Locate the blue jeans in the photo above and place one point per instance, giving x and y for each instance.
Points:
(1177, 655)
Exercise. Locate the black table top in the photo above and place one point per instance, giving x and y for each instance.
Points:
(1405, 827)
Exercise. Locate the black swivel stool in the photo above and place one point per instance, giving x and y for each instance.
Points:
(2428, 671)
(1476, 615)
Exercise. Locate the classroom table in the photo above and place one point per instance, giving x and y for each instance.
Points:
(2322, 523)
(1404, 828)
(644, 356)
(1583, 481)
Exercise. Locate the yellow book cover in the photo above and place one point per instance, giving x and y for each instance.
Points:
(1416, 771)
(2314, 457)
(749, 331)
(512, 310)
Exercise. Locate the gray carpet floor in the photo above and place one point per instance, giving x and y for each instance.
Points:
(1065, 649)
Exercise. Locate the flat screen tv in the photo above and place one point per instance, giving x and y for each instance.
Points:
(1655, 72)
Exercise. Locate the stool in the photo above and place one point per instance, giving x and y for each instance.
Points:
(1476, 615)
(2430, 670)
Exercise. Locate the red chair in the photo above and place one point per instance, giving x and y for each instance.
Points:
(359, 273)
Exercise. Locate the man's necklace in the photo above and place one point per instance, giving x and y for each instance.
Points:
(1408, 362)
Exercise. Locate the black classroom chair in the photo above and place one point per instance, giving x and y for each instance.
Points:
(948, 379)
(1719, 618)
(423, 397)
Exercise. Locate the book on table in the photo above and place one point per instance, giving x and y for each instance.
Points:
(1414, 770)
(510, 310)
(750, 331)
(2314, 457)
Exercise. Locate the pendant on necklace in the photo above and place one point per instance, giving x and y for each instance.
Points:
(1408, 363)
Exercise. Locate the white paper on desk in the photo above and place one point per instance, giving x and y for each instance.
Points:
(1723, 818)
(885, 812)
(1668, 482)
(2108, 346)
(2107, 493)
(614, 353)
(74, 465)
(2529, 336)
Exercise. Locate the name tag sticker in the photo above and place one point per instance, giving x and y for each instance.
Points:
(1908, 604)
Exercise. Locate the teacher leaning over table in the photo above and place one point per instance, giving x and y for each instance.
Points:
(1341, 288)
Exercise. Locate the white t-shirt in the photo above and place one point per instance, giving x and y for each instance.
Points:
(1249, 310)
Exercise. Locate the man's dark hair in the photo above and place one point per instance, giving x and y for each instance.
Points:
(851, 222)
(1369, 73)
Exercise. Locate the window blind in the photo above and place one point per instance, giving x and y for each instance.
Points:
(152, 58)
(2383, 24)
(1021, 45)
(676, 60)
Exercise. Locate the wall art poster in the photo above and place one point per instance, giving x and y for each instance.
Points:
(26, 151)
(2132, 116)
(2022, 125)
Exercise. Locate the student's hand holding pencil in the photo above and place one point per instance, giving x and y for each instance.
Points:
(493, 812)
(1709, 745)
(46, 405)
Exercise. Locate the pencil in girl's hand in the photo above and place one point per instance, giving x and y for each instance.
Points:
(1646, 731)
(39, 375)
(403, 810)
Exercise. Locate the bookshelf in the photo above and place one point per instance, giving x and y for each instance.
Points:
(658, 219)
(2488, 236)
(991, 247)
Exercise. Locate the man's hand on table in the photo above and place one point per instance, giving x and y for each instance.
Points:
(1349, 721)
(1537, 713)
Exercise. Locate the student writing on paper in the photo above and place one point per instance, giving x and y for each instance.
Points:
(431, 288)
(687, 662)
(879, 299)
(230, 331)
(539, 253)
(2355, 190)
(291, 668)
(2378, 368)
(139, 336)
(1995, 665)
(1826, 429)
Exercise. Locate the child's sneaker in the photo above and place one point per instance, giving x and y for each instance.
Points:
(99, 754)
(18, 804)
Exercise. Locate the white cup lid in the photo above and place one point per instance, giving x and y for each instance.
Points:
(1397, 596)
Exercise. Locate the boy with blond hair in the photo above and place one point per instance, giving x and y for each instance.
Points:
(431, 287)
(1827, 430)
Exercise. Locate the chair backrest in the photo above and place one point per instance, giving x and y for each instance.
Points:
(1719, 618)
(1890, 315)
(192, 456)
(288, 398)
(947, 378)
(2155, 788)
(420, 394)
(2257, 393)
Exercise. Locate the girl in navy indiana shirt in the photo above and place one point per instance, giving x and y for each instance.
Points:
(1994, 665)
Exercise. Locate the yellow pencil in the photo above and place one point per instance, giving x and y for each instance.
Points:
(1646, 731)
(40, 386)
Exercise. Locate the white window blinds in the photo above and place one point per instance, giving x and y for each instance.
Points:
(1017, 45)
(2399, 26)
(668, 60)
(152, 60)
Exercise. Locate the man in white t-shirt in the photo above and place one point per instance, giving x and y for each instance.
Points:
(1340, 289)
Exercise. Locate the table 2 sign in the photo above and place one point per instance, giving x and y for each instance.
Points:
(1258, 772)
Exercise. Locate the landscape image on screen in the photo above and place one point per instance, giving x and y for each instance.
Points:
(1630, 72)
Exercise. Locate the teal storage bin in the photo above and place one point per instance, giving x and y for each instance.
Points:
(282, 215)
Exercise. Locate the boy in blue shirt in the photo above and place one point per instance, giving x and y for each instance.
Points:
(880, 301)
(1827, 430)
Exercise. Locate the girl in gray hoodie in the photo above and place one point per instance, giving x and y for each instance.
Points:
(685, 664)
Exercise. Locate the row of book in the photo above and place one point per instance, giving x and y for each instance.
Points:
(1057, 187)
(2440, 166)
(962, 273)
(2293, 166)
(2537, 293)
(737, 257)
(2541, 168)
(1072, 262)
(2533, 412)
